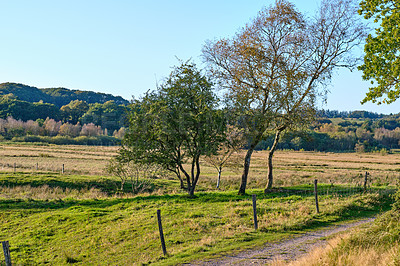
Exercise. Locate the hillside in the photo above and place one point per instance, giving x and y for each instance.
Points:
(56, 96)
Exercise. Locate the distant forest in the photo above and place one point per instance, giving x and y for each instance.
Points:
(65, 116)
(56, 96)
(60, 116)
(25, 103)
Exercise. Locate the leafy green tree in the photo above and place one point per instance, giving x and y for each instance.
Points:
(12, 106)
(108, 115)
(175, 125)
(382, 51)
(43, 110)
(73, 111)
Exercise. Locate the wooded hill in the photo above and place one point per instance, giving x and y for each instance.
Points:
(56, 96)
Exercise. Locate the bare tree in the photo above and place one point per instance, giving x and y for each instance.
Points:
(234, 141)
(275, 67)
(139, 175)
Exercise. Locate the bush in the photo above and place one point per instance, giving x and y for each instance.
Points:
(62, 140)
(396, 204)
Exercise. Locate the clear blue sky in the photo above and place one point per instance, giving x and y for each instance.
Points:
(124, 47)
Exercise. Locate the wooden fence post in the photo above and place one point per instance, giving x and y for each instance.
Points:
(62, 171)
(316, 194)
(6, 249)
(37, 166)
(164, 249)
(255, 211)
(365, 181)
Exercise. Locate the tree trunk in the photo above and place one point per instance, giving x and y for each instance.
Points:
(178, 173)
(219, 176)
(191, 191)
(246, 167)
(182, 184)
(195, 174)
(270, 155)
(187, 176)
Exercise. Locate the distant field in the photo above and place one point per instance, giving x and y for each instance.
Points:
(290, 167)
(295, 167)
(50, 158)
(81, 218)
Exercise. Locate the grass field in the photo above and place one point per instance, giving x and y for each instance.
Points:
(290, 168)
(79, 217)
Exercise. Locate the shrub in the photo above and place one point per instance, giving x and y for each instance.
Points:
(62, 140)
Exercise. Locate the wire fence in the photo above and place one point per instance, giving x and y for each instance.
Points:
(362, 185)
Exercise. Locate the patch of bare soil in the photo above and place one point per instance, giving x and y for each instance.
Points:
(287, 250)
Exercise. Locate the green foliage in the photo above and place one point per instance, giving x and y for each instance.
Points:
(73, 111)
(24, 92)
(107, 115)
(56, 96)
(18, 109)
(29, 103)
(63, 96)
(382, 60)
(175, 125)
(396, 204)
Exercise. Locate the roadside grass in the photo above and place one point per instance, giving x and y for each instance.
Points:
(377, 244)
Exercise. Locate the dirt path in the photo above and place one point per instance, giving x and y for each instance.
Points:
(288, 250)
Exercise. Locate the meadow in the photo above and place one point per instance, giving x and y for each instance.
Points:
(80, 216)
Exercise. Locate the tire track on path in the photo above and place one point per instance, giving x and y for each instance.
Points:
(288, 249)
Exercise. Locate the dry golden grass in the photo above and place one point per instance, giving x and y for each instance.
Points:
(296, 167)
(76, 159)
(355, 257)
(290, 167)
(49, 193)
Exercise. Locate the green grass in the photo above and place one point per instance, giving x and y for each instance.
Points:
(83, 218)
(111, 230)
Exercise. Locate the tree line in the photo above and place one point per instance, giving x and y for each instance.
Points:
(108, 115)
(355, 135)
(51, 131)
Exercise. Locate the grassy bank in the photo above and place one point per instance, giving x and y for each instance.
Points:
(102, 228)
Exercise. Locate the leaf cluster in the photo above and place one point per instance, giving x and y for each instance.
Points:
(382, 60)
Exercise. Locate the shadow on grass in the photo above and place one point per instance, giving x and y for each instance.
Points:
(111, 187)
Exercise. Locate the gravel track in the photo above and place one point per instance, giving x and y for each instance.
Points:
(288, 250)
